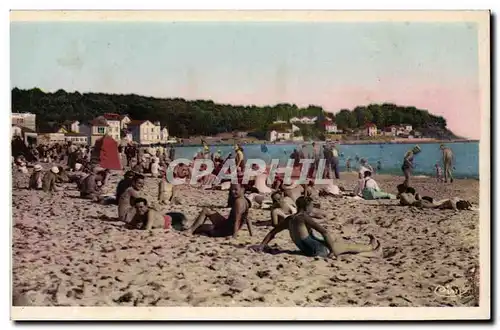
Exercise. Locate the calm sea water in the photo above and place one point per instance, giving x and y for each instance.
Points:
(390, 156)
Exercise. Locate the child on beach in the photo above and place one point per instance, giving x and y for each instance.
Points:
(439, 173)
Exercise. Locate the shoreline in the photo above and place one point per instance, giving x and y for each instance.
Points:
(347, 142)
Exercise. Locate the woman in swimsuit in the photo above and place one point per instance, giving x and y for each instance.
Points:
(222, 226)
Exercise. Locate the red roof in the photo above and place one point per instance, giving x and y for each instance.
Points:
(99, 121)
(370, 125)
(111, 116)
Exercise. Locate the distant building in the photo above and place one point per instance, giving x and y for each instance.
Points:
(371, 129)
(49, 138)
(330, 126)
(144, 131)
(277, 135)
(71, 126)
(27, 120)
(390, 130)
(407, 128)
(304, 120)
(95, 129)
(114, 125)
(76, 138)
(27, 135)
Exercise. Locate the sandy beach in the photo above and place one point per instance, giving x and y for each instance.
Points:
(66, 254)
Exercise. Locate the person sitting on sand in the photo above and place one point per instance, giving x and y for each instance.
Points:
(363, 167)
(146, 218)
(282, 207)
(36, 178)
(300, 226)
(49, 180)
(166, 191)
(126, 201)
(124, 184)
(407, 166)
(90, 188)
(222, 226)
(368, 189)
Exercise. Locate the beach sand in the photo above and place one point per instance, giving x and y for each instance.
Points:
(66, 254)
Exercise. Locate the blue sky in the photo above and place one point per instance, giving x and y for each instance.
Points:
(336, 65)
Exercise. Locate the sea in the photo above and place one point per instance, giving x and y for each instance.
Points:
(390, 156)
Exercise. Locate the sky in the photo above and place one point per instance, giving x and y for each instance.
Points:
(336, 65)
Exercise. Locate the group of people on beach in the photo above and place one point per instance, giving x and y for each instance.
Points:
(292, 205)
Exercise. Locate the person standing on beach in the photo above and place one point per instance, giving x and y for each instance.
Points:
(335, 161)
(300, 226)
(447, 162)
(408, 164)
(239, 157)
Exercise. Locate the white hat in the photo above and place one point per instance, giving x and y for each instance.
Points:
(78, 166)
(37, 167)
(54, 169)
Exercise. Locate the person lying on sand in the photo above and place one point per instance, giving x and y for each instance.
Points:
(146, 218)
(126, 201)
(221, 226)
(36, 177)
(300, 226)
(409, 197)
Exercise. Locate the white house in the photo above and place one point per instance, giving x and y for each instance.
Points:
(371, 129)
(330, 126)
(407, 127)
(27, 120)
(76, 138)
(114, 125)
(304, 120)
(124, 121)
(295, 128)
(277, 135)
(144, 131)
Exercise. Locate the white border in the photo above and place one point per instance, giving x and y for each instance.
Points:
(359, 313)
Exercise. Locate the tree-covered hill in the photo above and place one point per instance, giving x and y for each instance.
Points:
(186, 118)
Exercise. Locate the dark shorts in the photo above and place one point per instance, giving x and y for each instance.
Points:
(313, 247)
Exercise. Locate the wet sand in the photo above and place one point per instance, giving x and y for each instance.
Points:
(66, 253)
